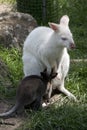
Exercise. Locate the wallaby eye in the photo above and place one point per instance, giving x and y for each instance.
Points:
(64, 38)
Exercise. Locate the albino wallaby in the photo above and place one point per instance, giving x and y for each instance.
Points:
(31, 89)
(47, 47)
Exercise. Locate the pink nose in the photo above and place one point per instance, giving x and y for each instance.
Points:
(72, 46)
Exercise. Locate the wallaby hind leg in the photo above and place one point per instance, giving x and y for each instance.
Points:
(37, 103)
(62, 89)
(20, 111)
(30, 106)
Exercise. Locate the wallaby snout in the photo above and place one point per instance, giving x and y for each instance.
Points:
(72, 46)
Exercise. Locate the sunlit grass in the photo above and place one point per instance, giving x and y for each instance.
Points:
(8, 1)
(12, 58)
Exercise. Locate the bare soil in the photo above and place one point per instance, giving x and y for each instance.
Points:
(10, 123)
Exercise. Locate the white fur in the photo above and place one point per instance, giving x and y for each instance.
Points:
(47, 47)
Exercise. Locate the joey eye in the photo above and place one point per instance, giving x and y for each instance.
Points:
(64, 38)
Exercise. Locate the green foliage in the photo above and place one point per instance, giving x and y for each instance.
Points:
(80, 39)
(77, 79)
(12, 57)
(77, 10)
(8, 1)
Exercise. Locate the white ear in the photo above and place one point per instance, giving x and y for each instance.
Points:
(54, 26)
(64, 20)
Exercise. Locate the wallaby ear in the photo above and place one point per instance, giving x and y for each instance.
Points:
(54, 26)
(52, 70)
(45, 70)
(54, 75)
(64, 20)
(42, 74)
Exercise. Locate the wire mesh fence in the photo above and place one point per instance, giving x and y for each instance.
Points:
(43, 10)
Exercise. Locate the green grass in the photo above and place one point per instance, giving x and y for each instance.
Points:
(12, 58)
(68, 116)
(8, 1)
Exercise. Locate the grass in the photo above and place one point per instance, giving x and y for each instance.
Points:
(67, 116)
(12, 58)
(7, 1)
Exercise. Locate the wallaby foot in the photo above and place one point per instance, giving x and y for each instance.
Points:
(67, 93)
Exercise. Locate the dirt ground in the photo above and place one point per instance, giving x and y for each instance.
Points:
(10, 123)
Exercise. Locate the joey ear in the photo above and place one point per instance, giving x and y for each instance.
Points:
(45, 70)
(64, 20)
(42, 74)
(54, 75)
(54, 26)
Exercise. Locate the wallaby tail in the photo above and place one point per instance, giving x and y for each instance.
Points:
(10, 112)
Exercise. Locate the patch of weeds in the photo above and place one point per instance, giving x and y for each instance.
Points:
(8, 1)
(68, 116)
(7, 93)
(12, 58)
(77, 79)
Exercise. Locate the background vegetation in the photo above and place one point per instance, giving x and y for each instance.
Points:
(64, 114)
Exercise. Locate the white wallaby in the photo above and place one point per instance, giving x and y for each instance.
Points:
(47, 47)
